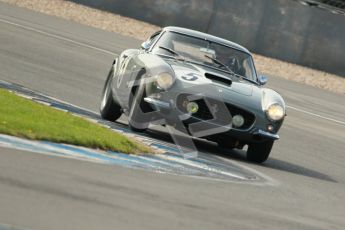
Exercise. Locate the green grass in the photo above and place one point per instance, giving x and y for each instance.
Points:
(24, 118)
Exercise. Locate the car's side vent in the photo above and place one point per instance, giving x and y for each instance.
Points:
(218, 79)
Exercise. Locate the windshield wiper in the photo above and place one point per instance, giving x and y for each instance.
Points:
(228, 69)
(215, 60)
(173, 52)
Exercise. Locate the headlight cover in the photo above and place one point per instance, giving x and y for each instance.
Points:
(165, 80)
(275, 112)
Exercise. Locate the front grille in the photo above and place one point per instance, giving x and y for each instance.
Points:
(205, 114)
(249, 118)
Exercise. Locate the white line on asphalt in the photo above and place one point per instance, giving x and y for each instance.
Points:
(57, 37)
(109, 52)
(316, 115)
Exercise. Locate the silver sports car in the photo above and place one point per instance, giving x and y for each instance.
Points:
(200, 85)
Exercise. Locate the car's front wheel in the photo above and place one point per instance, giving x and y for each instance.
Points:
(137, 107)
(109, 109)
(259, 152)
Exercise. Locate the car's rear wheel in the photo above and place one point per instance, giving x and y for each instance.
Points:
(109, 109)
(259, 152)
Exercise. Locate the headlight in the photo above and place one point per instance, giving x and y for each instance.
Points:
(275, 112)
(165, 80)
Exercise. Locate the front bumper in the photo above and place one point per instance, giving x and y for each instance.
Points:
(158, 103)
(266, 134)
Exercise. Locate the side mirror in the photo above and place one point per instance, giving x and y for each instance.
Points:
(145, 45)
(262, 79)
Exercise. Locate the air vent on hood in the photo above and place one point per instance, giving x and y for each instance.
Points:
(218, 79)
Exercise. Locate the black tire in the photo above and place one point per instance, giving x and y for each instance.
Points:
(225, 142)
(259, 152)
(137, 102)
(109, 109)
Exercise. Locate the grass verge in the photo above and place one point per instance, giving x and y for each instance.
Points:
(24, 118)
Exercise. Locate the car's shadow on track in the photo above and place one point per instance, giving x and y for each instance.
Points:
(297, 169)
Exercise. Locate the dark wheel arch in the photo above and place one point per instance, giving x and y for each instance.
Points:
(138, 92)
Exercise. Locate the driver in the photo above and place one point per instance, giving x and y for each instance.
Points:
(233, 64)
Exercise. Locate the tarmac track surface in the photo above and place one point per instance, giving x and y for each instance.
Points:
(70, 61)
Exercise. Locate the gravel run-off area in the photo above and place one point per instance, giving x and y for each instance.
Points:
(141, 30)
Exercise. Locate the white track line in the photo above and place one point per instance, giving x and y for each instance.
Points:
(111, 53)
(316, 115)
(58, 37)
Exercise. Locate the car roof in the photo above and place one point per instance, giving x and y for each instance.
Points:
(209, 37)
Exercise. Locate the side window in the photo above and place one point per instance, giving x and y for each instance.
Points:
(247, 70)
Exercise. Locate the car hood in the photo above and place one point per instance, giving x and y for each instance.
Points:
(197, 73)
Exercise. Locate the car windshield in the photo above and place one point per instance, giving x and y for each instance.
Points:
(206, 53)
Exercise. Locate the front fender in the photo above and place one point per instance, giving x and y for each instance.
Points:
(270, 97)
(155, 65)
